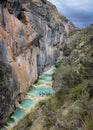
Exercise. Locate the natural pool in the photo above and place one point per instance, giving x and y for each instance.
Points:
(41, 88)
(40, 91)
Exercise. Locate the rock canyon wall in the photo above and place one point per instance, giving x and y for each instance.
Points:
(28, 45)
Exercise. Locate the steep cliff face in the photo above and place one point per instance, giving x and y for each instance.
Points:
(28, 45)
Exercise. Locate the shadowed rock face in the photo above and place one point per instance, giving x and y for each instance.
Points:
(30, 44)
(9, 90)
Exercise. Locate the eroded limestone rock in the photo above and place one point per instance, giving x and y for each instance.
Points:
(30, 43)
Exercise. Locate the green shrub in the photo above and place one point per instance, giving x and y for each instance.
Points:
(57, 64)
(86, 69)
(89, 124)
(77, 91)
(72, 33)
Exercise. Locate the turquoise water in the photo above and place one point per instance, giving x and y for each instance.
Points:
(18, 114)
(53, 68)
(10, 121)
(39, 91)
(46, 77)
(26, 103)
(44, 81)
(38, 83)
